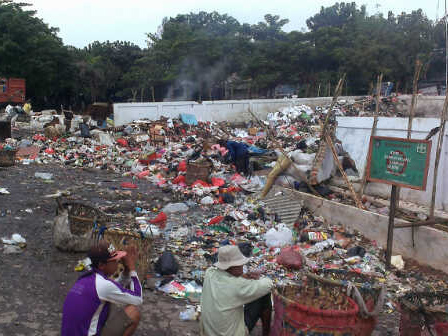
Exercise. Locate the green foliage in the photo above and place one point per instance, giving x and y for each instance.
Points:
(29, 48)
(209, 55)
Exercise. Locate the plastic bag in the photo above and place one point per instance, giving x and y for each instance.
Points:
(166, 264)
(290, 258)
(207, 200)
(175, 208)
(278, 238)
(188, 315)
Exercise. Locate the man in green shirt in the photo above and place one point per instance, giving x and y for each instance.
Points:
(232, 302)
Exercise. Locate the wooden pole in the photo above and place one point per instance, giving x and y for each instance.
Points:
(438, 153)
(372, 132)
(418, 68)
(318, 91)
(390, 230)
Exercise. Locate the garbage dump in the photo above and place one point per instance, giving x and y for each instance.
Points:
(211, 202)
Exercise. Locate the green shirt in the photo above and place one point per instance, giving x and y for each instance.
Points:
(223, 299)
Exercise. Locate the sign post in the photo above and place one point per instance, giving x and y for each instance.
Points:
(401, 163)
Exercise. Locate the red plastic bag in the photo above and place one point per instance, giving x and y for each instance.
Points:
(143, 174)
(216, 220)
(161, 218)
(218, 182)
(179, 179)
(182, 167)
(200, 182)
(128, 185)
(290, 258)
(122, 142)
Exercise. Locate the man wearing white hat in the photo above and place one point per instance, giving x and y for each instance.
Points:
(233, 302)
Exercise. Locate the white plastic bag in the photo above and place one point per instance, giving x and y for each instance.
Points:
(278, 238)
(207, 200)
(175, 208)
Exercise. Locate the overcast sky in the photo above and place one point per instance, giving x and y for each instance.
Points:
(83, 21)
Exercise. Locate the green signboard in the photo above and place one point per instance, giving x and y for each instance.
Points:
(402, 162)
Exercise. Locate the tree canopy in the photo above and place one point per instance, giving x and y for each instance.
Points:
(211, 56)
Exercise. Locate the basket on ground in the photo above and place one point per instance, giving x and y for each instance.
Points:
(366, 290)
(309, 310)
(7, 158)
(198, 170)
(424, 313)
(122, 238)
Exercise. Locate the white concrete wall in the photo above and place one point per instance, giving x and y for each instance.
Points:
(355, 134)
(430, 243)
(219, 110)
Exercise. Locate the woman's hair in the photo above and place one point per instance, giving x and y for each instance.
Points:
(222, 143)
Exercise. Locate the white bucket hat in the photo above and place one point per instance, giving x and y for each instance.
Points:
(230, 255)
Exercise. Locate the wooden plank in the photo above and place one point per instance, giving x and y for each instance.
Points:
(429, 222)
(372, 132)
(438, 153)
(390, 230)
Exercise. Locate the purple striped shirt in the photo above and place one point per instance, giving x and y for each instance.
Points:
(86, 306)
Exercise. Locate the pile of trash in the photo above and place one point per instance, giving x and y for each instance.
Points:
(211, 205)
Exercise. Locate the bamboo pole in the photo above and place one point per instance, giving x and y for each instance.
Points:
(372, 133)
(418, 68)
(439, 150)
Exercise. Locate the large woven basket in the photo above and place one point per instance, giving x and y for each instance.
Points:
(304, 310)
(123, 238)
(198, 171)
(423, 311)
(7, 158)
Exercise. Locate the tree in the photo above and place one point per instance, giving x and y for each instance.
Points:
(30, 49)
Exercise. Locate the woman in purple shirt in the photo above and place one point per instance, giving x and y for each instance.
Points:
(92, 304)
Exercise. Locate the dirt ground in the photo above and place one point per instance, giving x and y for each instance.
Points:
(33, 284)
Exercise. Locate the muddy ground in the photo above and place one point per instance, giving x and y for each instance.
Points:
(33, 284)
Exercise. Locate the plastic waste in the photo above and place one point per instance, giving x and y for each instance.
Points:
(397, 261)
(207, 200)
(4, 191)
(172, 208)
(188, 315)
(43, 176)
(278, 237)
(290, 258)
(166, 264)
(16, 239)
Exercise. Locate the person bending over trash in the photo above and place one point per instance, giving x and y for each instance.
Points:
(238, 154)
(233, 302)
(91, 306)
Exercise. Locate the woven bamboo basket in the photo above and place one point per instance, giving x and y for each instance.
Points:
(198, 171)
(83, 217)
(309, 309)
(121, 239)
(424, 311)
(7, 158)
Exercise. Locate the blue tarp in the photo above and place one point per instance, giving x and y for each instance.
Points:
(189, 119)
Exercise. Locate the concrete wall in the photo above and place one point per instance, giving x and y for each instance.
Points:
(427, 106)
(355, 134)
(220, 110)
(430, 244)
